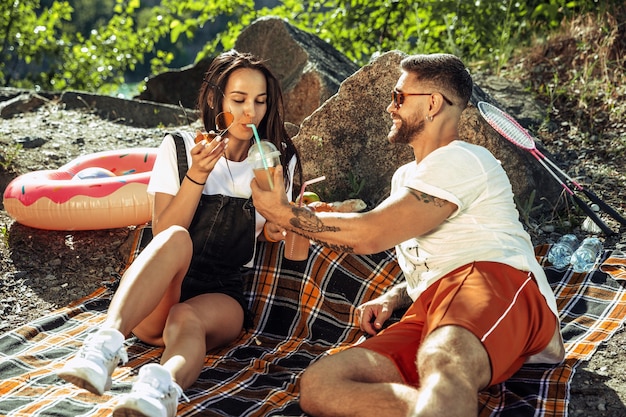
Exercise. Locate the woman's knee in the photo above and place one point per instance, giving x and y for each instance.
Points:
(176, 236)
(183, 316)
(173, 245)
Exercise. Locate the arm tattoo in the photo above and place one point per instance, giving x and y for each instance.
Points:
(337, 248)
(427, 198)
(305, 220)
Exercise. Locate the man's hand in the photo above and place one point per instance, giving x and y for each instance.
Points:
(268, 203)
(374, 314)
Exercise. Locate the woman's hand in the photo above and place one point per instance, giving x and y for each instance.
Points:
(273, 232)
(205, 155)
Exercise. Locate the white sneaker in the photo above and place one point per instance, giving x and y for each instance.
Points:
(154, 394)
(96, 360)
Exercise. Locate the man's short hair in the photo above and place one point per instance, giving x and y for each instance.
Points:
(444, 71)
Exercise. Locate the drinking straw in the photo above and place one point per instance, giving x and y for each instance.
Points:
(258, 143)
(309, 182)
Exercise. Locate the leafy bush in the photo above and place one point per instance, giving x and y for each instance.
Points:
(42, 48)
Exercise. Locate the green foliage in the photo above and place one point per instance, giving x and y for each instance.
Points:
(4, 232)
(356, 184)
(184, 18)
(52, 47)
(485, 30)
(527, 208)
(93, 62)
(27, 37)
(10, 154)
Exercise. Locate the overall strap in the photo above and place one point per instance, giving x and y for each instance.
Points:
(181, 155)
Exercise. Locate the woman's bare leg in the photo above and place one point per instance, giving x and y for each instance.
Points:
(148, 289)
(151, 285)
(194, 327)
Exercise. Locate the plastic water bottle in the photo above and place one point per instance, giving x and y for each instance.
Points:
(561, 252)
(585, 256)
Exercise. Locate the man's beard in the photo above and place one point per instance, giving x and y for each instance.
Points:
(407, 131)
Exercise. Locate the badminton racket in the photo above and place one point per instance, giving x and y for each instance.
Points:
(511, 130)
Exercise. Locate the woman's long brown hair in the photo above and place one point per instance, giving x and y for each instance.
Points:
(272, 127)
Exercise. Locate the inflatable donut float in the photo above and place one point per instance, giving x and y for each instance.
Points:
(103, 190)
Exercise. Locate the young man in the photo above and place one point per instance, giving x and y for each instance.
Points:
(479, 304)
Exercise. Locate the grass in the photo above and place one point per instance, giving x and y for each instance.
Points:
(4, 232)
(580, 69)
(10, 154)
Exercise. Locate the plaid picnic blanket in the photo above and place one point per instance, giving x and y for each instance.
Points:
(302, 310)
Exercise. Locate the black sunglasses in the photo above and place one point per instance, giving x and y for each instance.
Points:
(398, 97)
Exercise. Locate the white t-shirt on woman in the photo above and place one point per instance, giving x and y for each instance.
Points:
(227, 178)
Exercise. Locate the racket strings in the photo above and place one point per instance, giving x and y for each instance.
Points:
(513, 134)
(507, 127)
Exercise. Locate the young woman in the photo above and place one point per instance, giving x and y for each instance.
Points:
(185, 290)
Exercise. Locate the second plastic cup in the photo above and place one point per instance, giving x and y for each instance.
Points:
(264, 161)
(296, 247)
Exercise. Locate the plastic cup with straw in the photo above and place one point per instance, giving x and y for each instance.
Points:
(262, 154)
(297, 246)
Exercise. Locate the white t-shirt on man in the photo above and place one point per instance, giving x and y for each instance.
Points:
(485, 227)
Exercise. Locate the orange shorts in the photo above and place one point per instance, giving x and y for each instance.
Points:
(499, 304)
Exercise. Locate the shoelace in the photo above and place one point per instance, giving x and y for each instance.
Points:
(96, 349)
(152, 387)
(180, 392)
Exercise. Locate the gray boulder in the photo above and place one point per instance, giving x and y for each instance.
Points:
(309, 69)
(178, 86)
(120, 110)
(346, 140)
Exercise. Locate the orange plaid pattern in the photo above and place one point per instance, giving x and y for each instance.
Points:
(301, 311)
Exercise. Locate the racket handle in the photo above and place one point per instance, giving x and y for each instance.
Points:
(592, 215)
(604, 206)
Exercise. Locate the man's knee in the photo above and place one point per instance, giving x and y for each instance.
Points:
(311, 385)
(453, 352)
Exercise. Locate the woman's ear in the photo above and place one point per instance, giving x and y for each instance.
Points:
(209, 99)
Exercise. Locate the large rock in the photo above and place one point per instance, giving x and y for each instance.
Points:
(177, 86)
(120, 110)
(346, 140)
(309, 69)
(130, 112)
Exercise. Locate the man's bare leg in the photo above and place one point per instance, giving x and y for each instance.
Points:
(453, 367)
(355, 382)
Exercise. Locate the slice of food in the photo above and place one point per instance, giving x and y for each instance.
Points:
(347, 206)
(307, 198)
(200, 136)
